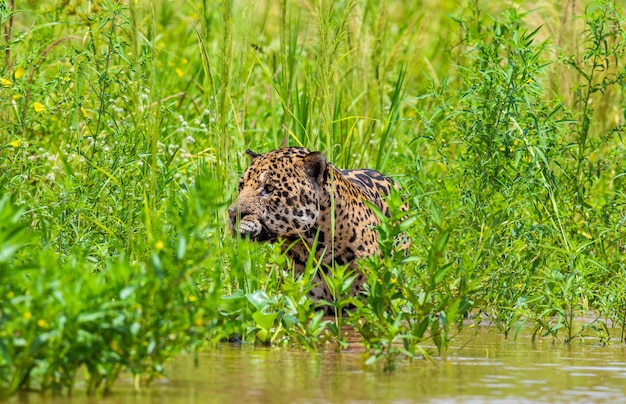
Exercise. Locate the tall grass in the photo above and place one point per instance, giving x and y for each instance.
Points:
(122, 131)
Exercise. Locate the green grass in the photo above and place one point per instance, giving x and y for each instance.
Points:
(122, 132)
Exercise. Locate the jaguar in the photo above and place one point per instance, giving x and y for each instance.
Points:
(295, 195)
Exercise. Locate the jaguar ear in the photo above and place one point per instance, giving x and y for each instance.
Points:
(316, 167)
(252, 154)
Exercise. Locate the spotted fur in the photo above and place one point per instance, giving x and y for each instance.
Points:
(286, 194)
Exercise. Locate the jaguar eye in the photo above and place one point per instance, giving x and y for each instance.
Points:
(267, 189)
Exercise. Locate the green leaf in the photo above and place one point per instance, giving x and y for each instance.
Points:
(259, 299)
(435, 214)
(232, 304)
(181, 247)
(263, 334)
(441, 241)
(264, 320)
(372, 359)
(441, 273)
(290, 320)
(127, 291)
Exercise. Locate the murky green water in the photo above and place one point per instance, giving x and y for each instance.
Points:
(488, 369)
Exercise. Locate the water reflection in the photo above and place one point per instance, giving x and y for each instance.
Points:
(487, 369)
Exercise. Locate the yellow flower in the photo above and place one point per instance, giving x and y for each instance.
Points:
(5, 82)
(159, 245)
(502, 148)
(42, 323)
(198, 322)
(16, 96)
(192, 298)
(28, 315)
(179, 72)
(19, 72)
(16, 143)
(394, 280)
(185, 61)
(84, 112)
(516, 142)
(39, 107)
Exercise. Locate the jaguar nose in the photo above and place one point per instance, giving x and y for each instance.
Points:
(233, 212)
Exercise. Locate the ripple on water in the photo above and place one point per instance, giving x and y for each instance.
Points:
(489, 369)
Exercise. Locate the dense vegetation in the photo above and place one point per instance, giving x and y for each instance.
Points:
(122, 131)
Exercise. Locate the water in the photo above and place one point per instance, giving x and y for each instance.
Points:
(487, 369)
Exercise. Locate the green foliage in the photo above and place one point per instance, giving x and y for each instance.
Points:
(525, 169)
(412, 295)
(121, 140)
(59, 314)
